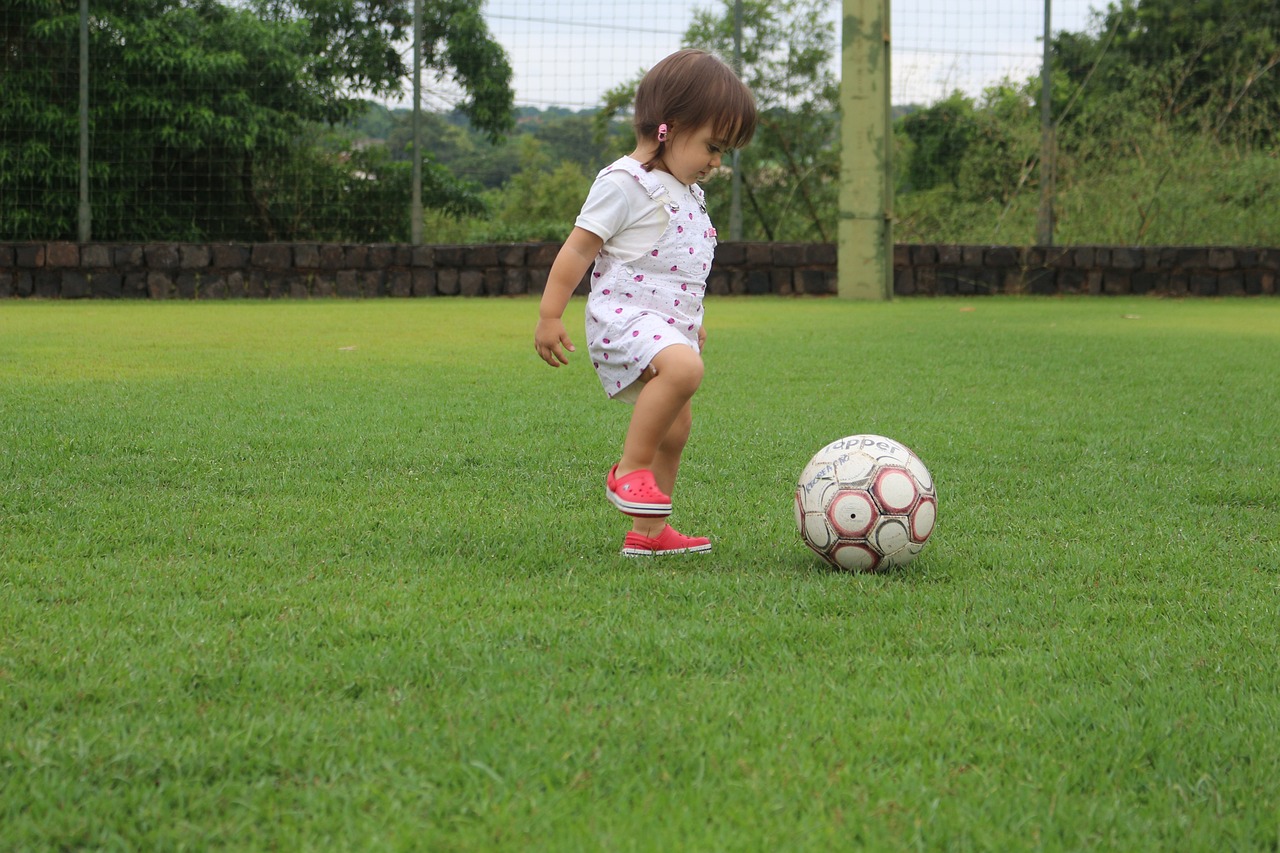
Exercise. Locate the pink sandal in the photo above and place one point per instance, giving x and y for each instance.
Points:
(669, 541)
(637, 493)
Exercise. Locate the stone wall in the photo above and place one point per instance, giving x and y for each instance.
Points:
(1095, 270)
(59, 270)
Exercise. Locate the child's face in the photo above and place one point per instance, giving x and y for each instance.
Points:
(691, 156)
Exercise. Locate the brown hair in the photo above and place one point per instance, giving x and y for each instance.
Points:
(691, 88)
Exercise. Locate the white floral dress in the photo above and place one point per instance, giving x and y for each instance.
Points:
(638, 308)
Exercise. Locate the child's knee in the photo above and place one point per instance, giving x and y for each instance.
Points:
(680, 365)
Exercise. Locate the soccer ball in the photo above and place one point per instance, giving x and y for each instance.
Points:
(866, 503)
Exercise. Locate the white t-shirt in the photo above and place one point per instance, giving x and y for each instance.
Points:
(620, 212)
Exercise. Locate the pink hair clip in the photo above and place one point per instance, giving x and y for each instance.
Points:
(662, 133)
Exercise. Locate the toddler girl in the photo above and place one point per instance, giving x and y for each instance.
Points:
(645, 227)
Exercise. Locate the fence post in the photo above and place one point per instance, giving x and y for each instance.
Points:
(415, 213)
(84, 215)
(865, 234)
(1048, 152)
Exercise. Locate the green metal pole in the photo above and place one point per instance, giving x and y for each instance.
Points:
(84, 214)
(1048, 141)
(415, 201)
(865, 234)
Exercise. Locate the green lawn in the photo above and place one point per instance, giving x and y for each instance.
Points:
(340, 575)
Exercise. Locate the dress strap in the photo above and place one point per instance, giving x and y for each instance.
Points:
(656, 190)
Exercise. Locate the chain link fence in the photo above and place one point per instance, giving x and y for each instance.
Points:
(263, 120)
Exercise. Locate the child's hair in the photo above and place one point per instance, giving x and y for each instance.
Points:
(691, 88)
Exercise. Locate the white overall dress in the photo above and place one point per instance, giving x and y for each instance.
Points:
(638, 308)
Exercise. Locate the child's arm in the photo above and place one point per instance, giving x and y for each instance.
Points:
(571, 264)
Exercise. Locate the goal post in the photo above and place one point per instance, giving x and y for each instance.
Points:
(865, 232)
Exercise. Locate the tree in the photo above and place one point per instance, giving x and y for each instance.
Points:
(201, 112)
(1201, 64)
(791, 169)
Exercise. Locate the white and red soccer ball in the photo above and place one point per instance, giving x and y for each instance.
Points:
(866, 503)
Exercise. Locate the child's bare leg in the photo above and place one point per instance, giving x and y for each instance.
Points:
(660, 423)
(666, 466)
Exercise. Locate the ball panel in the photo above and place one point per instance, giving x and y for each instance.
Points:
(923, 519)
(895, 489)
(816, 531)
(852, 514)
(855, 557)
(891, 536)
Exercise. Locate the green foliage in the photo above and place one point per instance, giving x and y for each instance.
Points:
(1155, 113)
(790, 170)
(200, 110)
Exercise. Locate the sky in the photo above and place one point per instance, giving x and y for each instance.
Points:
(570, 52)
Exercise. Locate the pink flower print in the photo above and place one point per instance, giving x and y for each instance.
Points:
(597, 275)
(657, 337)
(619, 384)
(691, 250)
(671, 321)
(675, 269)
(635, 334)
(638, 278)
(677, 301)
(617, 310)
(654, 253)
(690, 329)
(606, 291)
(606, 356)
(684, 287)
(679, 229)
(596, 365)
(606, 341)
(691, 214)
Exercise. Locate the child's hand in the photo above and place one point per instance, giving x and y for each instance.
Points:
(547, 340)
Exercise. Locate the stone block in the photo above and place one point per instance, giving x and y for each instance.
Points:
(512, 255)
(306, 256)
(400, 283)
(1127, 259)
(1221, 259)
(272, 256)
(471, 283)
(730, 254)
(75, 285)
(480, 256)
(788, 254)
(62, 255)
(332, 257)
(161, 256)
(229, 256)
(1001, 256)
(515, 281)
(106, 285)
(48, 284)
(924, 254)
(422, 256)
(29, 256)
(188, 285)
(95, 256)
(159, 285)
(820, 254)
(194, 256)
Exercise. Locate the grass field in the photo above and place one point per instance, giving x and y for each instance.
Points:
(340, 575)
